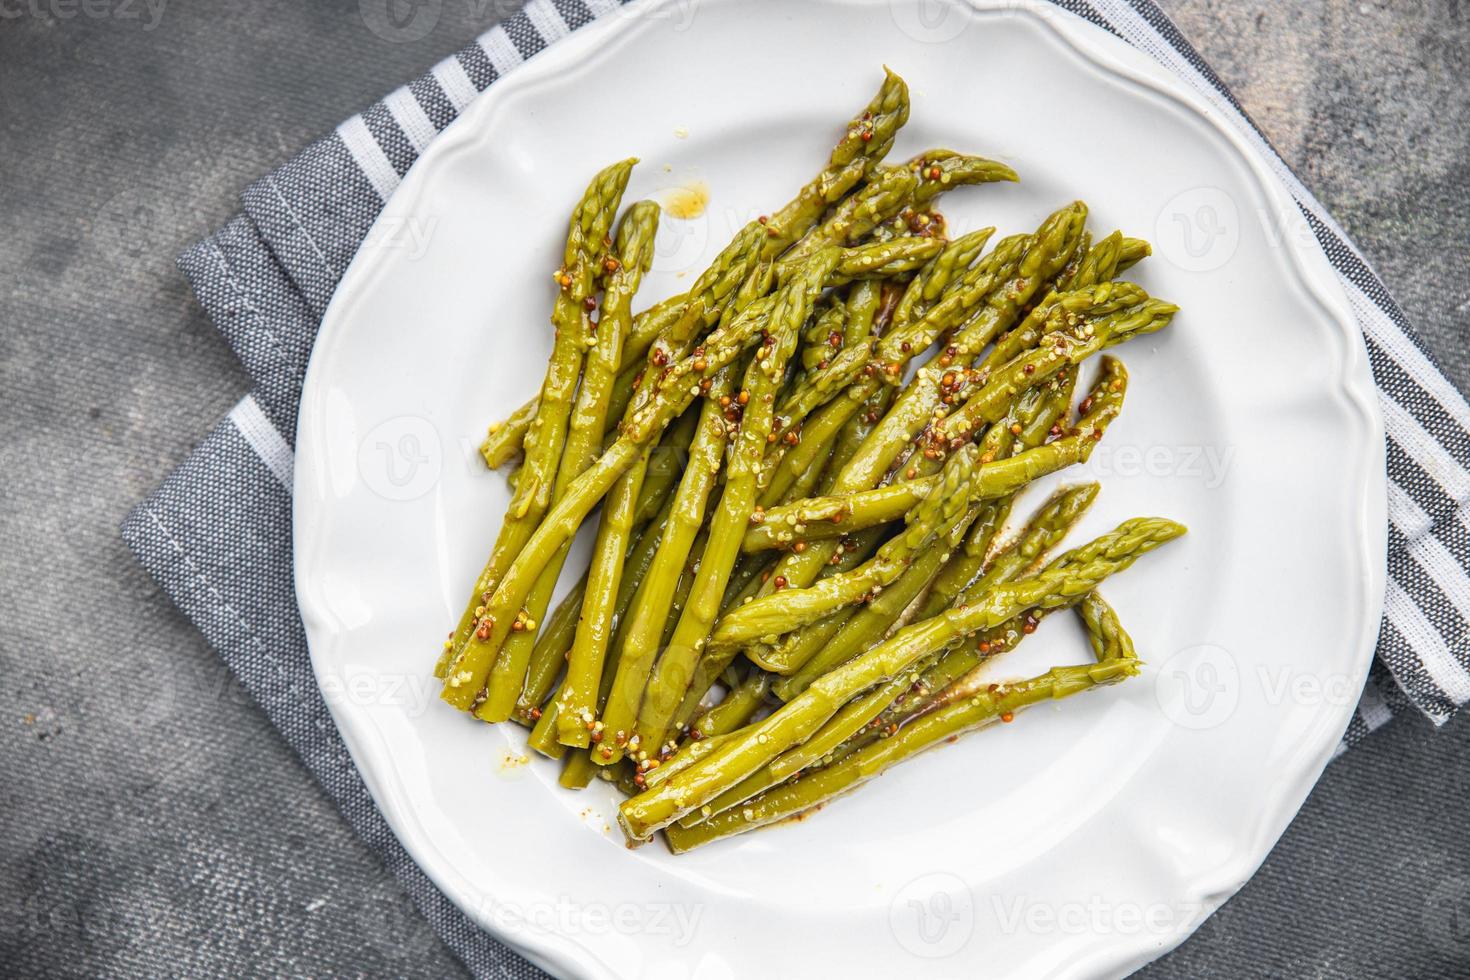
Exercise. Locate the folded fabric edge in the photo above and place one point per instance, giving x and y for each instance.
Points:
(279, 680)
(258, 310)
(315, 210)
(1380, 702)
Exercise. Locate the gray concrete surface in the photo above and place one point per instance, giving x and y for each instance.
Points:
(152, 823)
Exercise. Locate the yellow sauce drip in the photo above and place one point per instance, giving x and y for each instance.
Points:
(685, 202)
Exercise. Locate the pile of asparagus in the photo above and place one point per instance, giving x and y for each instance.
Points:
(790, 515)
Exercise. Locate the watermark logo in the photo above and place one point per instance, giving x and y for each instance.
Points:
(931, 21)
(150, 697)
(391, 924)
(1201, 686)
(938, 21)
(401, 458)
(1198, 687)
(68, 918)
(1206, 465)
(401, 21)
(1198, 230)
(411, 693)
(677, 923)
(679, 245)
(933, 916)
(678, 14)
(147, 13)
(408, 233)
(404, 21)
(127, 224)
(1093, 917)
(1280, 684)
(1446, 917)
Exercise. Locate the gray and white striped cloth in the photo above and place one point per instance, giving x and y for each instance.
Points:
(217, 533)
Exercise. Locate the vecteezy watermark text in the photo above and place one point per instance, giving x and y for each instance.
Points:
(403, 21)
(562, 916)
(148, 13)
(1200, 687)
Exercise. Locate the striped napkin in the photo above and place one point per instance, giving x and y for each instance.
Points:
(217, 534)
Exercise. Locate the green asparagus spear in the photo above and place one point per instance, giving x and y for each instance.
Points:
(989, 303)
(1045, 530)
(834, 515)
(1105, 633)
(670, 392)
(852, 718)
(505, 438)
(819, 434)
(590, 223)
(926, 288)
(743, 581)
(883, 196)
(830, 322)
(577, 771)
(549, 655)
(1132, 252)
(942, 170)
(1098, 265)
(869, 395)
(680, 317)
(623, 271)
(675, 390)
(893, 607)
(503, 442)
(845, 446)
(763, 379)
(804, 715)
(867, 139)
(800, 645)
(736, 270)
(982, 708)
(665, 466)
(822, 384)
(1049, 406)
(883, 260)
(898, 428)
(554, 641)
(807, 394)
(940, 685)
(897, 191)
(863, 301)
(1095, 318)
(640, 641)
(577, 698)
(851, 553)
(946, 504)
(736, 708)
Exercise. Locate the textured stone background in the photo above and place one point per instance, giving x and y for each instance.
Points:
(152, 822)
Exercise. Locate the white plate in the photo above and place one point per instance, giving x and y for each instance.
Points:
(1084, 840)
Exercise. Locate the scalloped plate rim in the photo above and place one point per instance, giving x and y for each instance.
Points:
(1108, 54)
